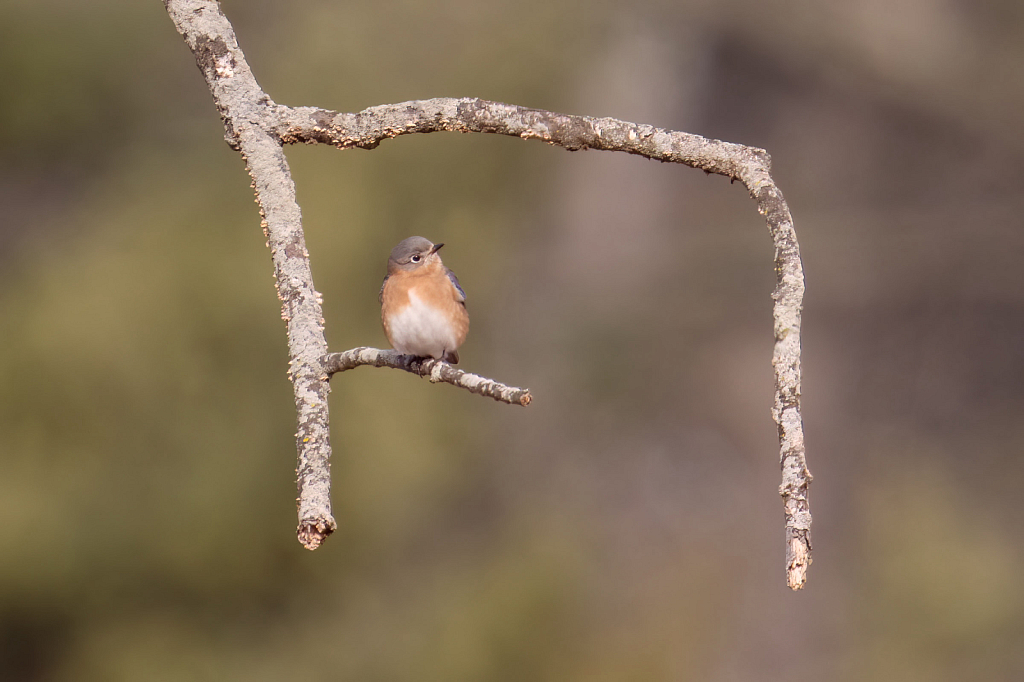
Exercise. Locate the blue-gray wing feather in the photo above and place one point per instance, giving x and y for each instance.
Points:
(380, 296)
(455, 282)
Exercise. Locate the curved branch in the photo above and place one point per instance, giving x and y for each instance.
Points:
(368, 128)
(257, 127)
(436, 370)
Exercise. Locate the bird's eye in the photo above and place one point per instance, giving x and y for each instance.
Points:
(415, 259)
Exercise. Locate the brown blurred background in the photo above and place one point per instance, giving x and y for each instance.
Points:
(626, 526)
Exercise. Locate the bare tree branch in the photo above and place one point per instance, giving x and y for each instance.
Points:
(243, 106)
(436, 370)
(258, 127)
(370, 127)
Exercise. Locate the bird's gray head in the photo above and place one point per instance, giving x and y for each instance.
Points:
(413, 253)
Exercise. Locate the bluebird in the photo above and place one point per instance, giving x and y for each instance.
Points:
(422, 306)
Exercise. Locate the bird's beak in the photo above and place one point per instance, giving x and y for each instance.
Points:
(437, 247)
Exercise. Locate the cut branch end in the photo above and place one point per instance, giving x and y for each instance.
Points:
(312, 533)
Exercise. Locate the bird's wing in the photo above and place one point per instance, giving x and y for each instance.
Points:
(380, 296)
(455, 282)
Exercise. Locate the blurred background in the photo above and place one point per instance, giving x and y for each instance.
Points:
(625, 526)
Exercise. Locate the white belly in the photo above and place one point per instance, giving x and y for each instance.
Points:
(421, 330)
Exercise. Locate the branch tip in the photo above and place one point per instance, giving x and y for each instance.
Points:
(312, 533)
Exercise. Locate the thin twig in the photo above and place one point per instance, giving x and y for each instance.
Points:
(436, 370)
(257, 127)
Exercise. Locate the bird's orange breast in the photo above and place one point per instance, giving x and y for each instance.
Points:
(430, 288)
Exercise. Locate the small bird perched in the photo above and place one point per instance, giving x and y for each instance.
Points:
(422, 306)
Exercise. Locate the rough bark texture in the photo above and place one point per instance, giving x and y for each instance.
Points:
(247, 111)
(436, 370)
(370, 127)
(258, 128)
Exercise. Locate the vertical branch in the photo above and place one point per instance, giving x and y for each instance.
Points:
(788, 296)
(302, 310)
(245, 110)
